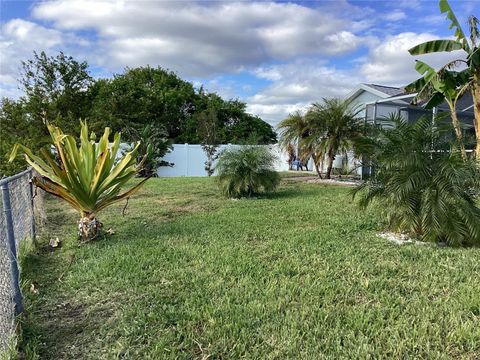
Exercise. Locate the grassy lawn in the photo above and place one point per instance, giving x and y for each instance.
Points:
(298, 275)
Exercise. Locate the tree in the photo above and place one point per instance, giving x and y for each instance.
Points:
(235, 125)
(293, 132)
(55, 91)
(142, 96)
(207, 132)
(425, 187)
(15, 124)
(441, 86)
(88, 177)
(154, 144)
(333, 127)
(470, 76)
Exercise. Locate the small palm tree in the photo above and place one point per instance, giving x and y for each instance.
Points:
(89, 177)
(333, 128)
(247, 171)
(422, 182)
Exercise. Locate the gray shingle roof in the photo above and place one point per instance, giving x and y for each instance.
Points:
(389, 90)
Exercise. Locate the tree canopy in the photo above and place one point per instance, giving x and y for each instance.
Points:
(60, 90)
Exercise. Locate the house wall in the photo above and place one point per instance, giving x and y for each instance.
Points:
(362, 99)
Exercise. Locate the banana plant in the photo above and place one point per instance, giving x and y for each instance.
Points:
(441, 86)
(89, 176)
(471, 62)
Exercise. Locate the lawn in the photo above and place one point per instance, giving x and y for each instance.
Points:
(295, 275)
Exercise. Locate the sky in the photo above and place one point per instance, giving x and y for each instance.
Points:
(277, 57)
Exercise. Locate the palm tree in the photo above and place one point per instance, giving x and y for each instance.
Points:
(422, 183)
(333, 127)
(294, 130)
(247, 171)
(470, 76)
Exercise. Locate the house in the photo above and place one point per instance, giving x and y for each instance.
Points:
(378, 101)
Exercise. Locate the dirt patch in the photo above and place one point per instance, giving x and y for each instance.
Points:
(335, 181)
(299, 178)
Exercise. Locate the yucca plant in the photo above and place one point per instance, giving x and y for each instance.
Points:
(89, 176)
(423, 184)
(246, 171)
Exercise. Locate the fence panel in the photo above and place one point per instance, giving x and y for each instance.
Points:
(189, 160)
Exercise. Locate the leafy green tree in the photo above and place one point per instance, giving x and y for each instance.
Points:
(15, 125)
(235, 125)
(143, 96)
(154, 144)
(333, 127)
(470, 76)
(55, 91)
(422, 182)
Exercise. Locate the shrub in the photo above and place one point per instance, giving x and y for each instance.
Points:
(89, 176)
(423, 184)
(247, 171)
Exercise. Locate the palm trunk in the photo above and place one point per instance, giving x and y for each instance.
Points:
(476, 109)
(315, 159)
(331, 159)
(458, 129)
(89, 228)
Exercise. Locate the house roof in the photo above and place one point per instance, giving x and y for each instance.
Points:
(381, 91)
(388, 90)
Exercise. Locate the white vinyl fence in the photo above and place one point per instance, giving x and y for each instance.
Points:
(189, 160)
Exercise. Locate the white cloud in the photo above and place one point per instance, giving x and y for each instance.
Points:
(396, 15)
(295, 86)
(202, 39)
(390, 63)
(18, 38)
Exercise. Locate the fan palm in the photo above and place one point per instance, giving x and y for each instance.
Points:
(88, 177)
(246, 171)
(333, 127)
(422, 182)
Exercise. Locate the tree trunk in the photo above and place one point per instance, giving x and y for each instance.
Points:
(315, 163)
(89, 228)
(331, 159)
(458, 130)
(476, 110)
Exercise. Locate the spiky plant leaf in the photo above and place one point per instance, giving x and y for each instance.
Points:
(88, 176)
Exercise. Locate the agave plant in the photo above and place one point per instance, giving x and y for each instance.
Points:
(89, 177)
(246, 171)
(423, 184)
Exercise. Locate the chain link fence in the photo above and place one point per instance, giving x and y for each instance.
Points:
(21, 214)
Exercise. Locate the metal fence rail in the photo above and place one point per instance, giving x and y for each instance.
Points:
(21, 212)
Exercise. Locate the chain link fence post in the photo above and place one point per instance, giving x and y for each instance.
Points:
(32, 204)
(11, 247)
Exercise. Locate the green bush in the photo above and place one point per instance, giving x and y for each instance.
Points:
(246, 171)
(423, 184)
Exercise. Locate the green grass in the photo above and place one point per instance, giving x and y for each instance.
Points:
(299, 274)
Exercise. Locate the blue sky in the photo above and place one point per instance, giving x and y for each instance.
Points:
(276, 56)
